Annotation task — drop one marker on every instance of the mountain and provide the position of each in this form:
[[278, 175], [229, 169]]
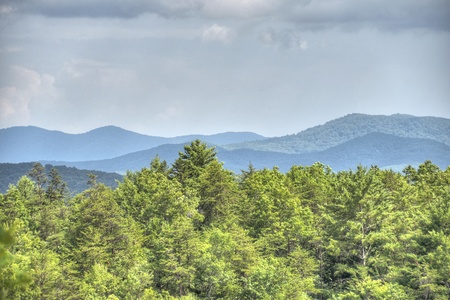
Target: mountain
[[76, 179], [341, 130], [24, 144], [386, 141], [383, 150], [128, 162]]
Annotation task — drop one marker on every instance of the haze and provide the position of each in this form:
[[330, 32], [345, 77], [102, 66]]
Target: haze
[[167, 67]]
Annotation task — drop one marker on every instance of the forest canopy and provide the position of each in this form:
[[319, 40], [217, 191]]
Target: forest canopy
[[194, 230]]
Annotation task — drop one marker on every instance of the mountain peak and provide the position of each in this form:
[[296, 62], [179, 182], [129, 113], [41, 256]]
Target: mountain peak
[[108, 128], [351, 126]]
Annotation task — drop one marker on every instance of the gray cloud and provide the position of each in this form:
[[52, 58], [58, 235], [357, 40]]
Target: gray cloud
[[399, 14], [385, 14], [104, 9], [170, 67], [285, 38]]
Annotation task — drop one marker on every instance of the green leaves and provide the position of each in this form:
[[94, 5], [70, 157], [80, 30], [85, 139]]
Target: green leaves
[[198, 231], [192, 161], [13, 277]]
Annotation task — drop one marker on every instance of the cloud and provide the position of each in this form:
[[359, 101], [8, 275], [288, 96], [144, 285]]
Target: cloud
[[169, 114], [106, 9], [400, 14], [6, 9], [143, 63], [96, 74], [383, 14], [131, 9], [239, 8], [10, 49], [25, 91], [217, 33], [287, 39]]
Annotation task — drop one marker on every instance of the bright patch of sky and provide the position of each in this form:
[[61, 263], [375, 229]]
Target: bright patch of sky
[[174, 67]]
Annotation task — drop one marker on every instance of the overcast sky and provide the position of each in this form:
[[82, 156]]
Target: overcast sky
[[174, 67]]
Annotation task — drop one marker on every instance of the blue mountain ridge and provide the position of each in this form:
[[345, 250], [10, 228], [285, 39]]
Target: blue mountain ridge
[[340, 130], [386, 141], [379, 149], [24, 144]]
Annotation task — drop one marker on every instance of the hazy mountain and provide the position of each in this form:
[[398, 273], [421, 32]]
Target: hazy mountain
[[23, 144], [344, 129], [76, 179], [386, 141], [379, 149], [385, 151], [132, 161]]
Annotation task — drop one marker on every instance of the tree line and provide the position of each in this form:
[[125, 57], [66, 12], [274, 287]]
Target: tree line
[[194, 230]]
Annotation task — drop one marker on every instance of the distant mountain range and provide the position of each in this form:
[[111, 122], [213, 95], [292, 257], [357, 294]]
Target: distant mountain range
[[23, 144], [341, 130], [386, 141], [379, 149]]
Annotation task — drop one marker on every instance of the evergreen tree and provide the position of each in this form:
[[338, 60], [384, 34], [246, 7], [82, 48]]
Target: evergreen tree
[[99, 233], [192, 161], [197, 231]]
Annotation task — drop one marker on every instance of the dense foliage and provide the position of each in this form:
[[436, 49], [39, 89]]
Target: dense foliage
[[195, 230], [73, 177]]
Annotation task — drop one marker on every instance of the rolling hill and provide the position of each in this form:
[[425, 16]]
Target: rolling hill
[[344, 129], [24, 144], [383, 150], [386, 141]]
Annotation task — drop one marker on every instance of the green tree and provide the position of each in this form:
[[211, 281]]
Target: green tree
[[13, 278], [273, 214], [218, 195], [228, 258], [57, 188], [38, 174], [192, 161], [167, 213], [281, 225], [99, 233], [315, 185], [18, 201], [430, 279], [159, 166]]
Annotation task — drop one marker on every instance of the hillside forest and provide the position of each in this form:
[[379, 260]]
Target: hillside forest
[[195, 230]]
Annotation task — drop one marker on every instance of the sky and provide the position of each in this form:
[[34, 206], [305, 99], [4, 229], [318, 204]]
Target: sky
[[176, 67]]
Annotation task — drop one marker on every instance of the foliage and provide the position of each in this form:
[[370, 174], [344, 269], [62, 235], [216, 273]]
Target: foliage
[[74, 178], [195, 230]]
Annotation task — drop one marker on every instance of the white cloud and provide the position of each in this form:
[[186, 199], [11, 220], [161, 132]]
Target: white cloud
[[239, 8], [27, 89], [96, 74], [12, 104], [217, 33]]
